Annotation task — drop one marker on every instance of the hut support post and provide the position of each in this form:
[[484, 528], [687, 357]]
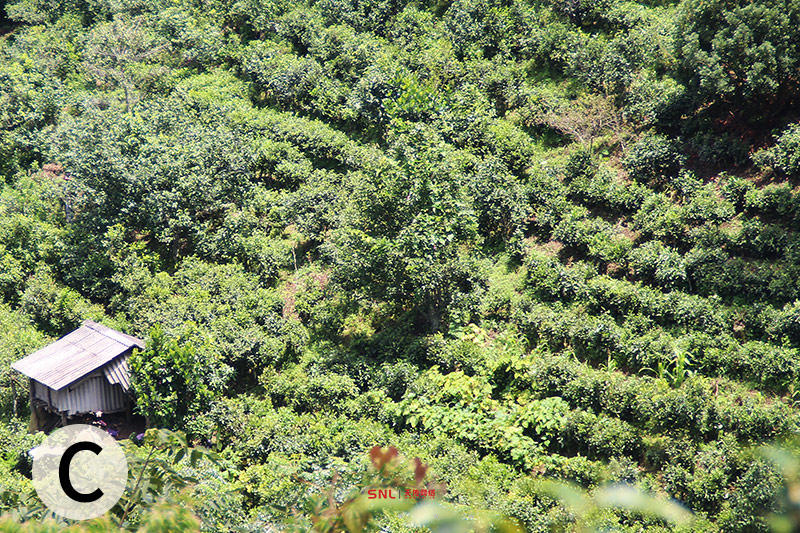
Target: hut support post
[[128, 409], [13, 397], [63, 419]]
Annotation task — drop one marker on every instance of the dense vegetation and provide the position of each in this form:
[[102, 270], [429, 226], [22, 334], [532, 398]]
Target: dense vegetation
[[521, 240]]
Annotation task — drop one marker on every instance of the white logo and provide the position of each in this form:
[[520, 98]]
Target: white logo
[[79, 472]]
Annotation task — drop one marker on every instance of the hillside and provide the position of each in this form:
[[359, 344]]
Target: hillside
[[522, 240]]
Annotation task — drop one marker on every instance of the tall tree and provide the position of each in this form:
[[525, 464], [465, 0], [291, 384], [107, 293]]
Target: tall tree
[[740, 55], [124, 53]]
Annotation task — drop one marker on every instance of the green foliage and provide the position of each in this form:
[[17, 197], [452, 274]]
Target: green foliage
[[20, 338], [56, 309], [738, 55], [653, 159], [122, 54], [661, 264], [243, 320], [371, 16], [151, 502], [174, 380], [587, 507], [783, 156], [305, 389], [519, 240]]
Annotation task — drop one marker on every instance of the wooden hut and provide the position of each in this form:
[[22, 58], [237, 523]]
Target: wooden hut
[[83, 371]]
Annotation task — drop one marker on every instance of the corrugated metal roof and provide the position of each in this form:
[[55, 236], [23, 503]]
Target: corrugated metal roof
[[117, 372], [79, 353]]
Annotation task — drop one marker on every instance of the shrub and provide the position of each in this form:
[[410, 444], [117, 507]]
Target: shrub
[[282, 78], [651, 100], [774, 199], [653, 158], [785, 155], [580, 166], [372, 15], [660, 218], [719, 148], [598, 436], [755, 494], [662, 265], [721, 46], [308, 389], [175, 379], [735, 190]]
